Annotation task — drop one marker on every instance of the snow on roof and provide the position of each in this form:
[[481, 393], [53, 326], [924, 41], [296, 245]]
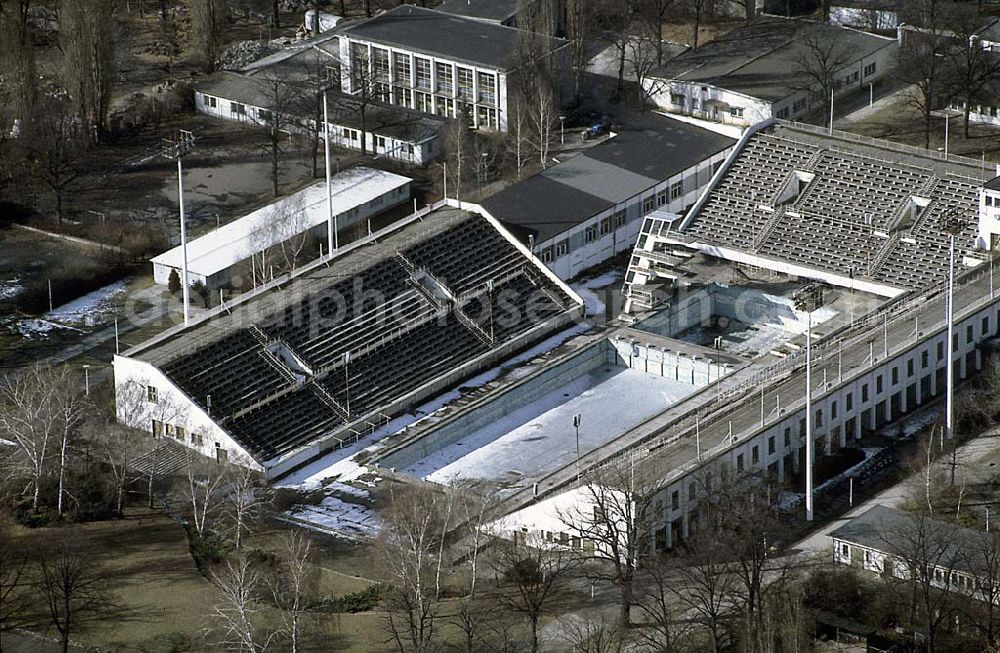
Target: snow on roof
[[226, 246]]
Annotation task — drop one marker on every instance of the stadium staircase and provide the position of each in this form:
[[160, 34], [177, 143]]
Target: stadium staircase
[[166, 458]]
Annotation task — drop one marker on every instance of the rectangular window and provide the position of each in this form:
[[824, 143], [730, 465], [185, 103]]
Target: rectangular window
[[152, 395], [263, 115], [940, 351], [799, 105], [211, 101], [739, 463], [487, 88], [736, 112], [788, 436], [770, 445], [380, 64], [423, 103], [605, 226], [755, 454], [677, 99], [649, 204], [849, 401], [986, 325], [196, 439], [782, 114], [464, 84], [445, 82], [401, 65], [562, 248], [969, 335], [675, 500], [619, 219], [909, 368], [237, 108], [158, 428], [423, 70], [380, 143], [864, 393], [359, 65], [870, 69], [924, 358], [691, 492], [833, 410], [590, 234], [661, 198], [546, 255], [181, 433], [676, 189]]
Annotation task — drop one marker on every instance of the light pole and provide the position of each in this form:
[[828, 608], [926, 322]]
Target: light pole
[[177, 150], [86, 380], [562, 129], [347, 382], [951, 225], [809, 299], [332, 240], [576, 425]]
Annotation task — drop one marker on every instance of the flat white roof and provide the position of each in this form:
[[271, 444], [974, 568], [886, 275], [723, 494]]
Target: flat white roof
[[226, 246]]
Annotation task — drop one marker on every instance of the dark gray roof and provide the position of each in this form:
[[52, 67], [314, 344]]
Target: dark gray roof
[[543, 207], [990, 31], [889, 530], [444, 35], [639, 157], [993, 184], [762, 59], [493, 10], [391, 121]]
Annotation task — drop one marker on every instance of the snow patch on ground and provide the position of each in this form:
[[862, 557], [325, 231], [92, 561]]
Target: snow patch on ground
[[10, 288], [338, 517], [90, 310], [592, 301]]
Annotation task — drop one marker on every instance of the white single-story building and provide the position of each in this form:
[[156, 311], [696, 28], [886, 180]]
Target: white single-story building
[[218, 257], [766, 69], [989, 215]]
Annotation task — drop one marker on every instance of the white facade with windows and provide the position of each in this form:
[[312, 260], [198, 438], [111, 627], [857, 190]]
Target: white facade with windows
[[989, 216], [613, 231], [425, 83]]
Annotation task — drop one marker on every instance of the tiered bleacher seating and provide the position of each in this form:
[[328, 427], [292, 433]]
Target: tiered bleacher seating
[[856, 213], [399, 335], [232, 370]]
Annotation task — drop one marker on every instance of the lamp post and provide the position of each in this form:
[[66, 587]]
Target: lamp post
[[562, 129], [952, 225], [177, 150], [332, 239], [809, 299], [576, 425], [86, 380]]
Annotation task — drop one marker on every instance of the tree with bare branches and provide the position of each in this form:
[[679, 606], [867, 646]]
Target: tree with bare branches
[[982, 558], [409, 547], [54, 143], [243, 502], [614, 513], [294, 584], [237, 613], [530, 575], [922, 63], [73, 590], [90, 38], [207, 22], [820, 70], [40, 410]]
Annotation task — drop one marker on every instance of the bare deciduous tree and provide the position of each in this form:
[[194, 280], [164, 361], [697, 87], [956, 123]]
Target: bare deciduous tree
[[922, 63], [587, 634], [243, 502], [294, 584], [530, 573], [207, 22], [55, 143], [90, 39], [40, 410], [13, 577], [284, 104], [409, 548], [819, 71], [237, 613], [203, 491], [74, 591]]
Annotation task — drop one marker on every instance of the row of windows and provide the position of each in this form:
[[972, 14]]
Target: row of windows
[[992, 201], [590, 234], [449, 79], [179, 433]]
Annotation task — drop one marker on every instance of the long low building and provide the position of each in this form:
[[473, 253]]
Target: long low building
[[223, 254], [581, 212], [770, 68], [315, 359]]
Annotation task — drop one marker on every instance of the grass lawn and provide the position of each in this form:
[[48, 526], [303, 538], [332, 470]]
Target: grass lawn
[[902, 123], [146, 558]]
